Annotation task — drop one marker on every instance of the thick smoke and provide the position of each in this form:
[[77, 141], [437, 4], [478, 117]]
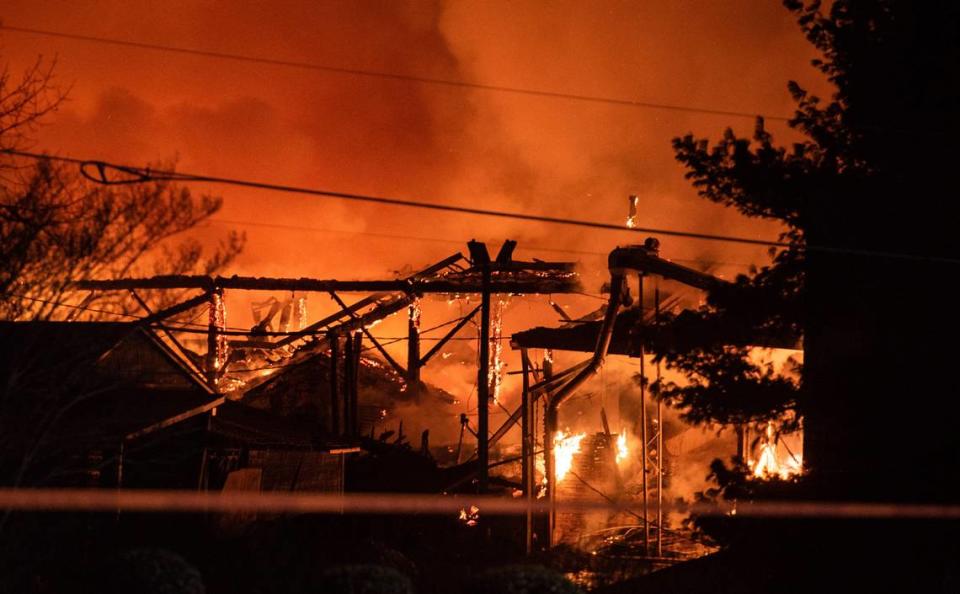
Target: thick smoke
[[437, 143]]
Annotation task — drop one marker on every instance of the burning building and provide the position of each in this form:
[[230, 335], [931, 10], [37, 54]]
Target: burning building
[[651, 442]]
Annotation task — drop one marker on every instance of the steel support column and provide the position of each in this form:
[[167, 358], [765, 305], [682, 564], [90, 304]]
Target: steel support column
[[526, 453], [483, 384]]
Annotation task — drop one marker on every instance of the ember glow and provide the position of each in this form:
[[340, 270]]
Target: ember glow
[[632, 212], [471, 517], [565, 446], [218, 316], [622, 451], [768, 463], [496, 349]]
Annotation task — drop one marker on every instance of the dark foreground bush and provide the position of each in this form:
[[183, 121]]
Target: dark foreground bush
[[521, 579], [364, 579], [148, 571]]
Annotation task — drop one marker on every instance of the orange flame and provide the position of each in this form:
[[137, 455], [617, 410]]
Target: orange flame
[[565, 446], [768, 464], [622, 450]]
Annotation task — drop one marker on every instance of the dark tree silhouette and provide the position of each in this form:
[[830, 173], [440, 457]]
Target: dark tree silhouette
[[867, 198]]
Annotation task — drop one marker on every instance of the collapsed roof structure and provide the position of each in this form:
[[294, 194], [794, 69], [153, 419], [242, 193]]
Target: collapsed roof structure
[[613, 330], [255, 367]]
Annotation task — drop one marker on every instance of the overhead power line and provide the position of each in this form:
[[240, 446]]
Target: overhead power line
[[98, 171], [393, 76]]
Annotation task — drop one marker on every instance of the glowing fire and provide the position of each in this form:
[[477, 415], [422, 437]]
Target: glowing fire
[[470, 518], [632, 215], [496, 351], [768, 463], [622, 450], [565, 445]]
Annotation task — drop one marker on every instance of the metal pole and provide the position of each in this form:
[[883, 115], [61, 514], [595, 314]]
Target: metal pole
[[215, 326], [334, 340], [660, 456], [347, 383], [483, 384], [413, 350], [355, 385], [549, 430], [643, 421], [526, 453]]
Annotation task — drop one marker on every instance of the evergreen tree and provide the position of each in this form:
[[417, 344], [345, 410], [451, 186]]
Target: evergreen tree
[[866, 198]]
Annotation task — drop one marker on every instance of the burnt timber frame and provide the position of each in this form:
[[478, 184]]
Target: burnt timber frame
[[484, 277], [629, 337]]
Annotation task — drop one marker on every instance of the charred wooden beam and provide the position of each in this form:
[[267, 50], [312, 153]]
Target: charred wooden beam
[[334, 339], [348, 384], [173, 420], [183, 357], [361, 324], [446, 338], [648, 262], [534, 391], [483, 384], [538, 285], [526, 448], [201, 299], [413, 350], [182, 281], [355, 383], [215, 343]]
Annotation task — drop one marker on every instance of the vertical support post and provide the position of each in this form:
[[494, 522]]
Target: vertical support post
[[347, 384], [659, 446], [643, 420], [413, 350], [483, 384], [355, 384], [334, 340], [215, 341], [549, 429], [526, 453]]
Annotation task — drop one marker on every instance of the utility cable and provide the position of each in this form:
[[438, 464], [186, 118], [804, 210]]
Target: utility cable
[[99, 171]]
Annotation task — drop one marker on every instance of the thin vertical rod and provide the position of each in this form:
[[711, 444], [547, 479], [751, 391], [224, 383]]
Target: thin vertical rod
[[355, 384], [643, 421], [213, 338], [347, 383], [334, 340], [483, 385], [660, 456], [526, 446], [548, 457], [413, 350]]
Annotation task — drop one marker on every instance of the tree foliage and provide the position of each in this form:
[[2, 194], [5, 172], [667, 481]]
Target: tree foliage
[[58, 228], [859, 197]]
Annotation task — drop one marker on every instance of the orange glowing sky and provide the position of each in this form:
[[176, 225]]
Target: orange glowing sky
[[417, 141], [396, 138]]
